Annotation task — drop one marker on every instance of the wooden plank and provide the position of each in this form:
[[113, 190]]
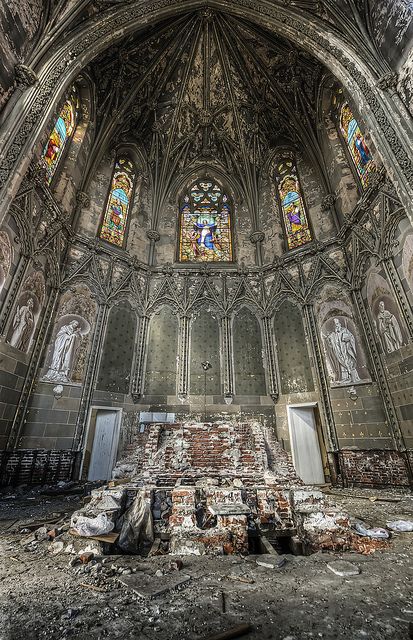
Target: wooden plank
[[107, 537]]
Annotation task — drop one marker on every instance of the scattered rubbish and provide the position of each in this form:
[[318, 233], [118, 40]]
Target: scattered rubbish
[[137, 528], [235, 632], [377, 532], [148, 587], [400, 525], [56, 547], [176, 565], [271, 562], [86, 557], [343, 568], [109, 538], [87, 527]]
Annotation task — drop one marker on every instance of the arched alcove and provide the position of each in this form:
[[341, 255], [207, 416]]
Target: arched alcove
[[162, 350], [293, 359], [118, 349], [205, 348], [248, 355]]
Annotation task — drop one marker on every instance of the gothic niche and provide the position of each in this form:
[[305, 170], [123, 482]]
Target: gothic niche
[[205, 349], [161, 361], [6, 257], [385, 314], [248, 355], [27, 312], [293, 360], [116, 363], [344, 353], [69, 346]]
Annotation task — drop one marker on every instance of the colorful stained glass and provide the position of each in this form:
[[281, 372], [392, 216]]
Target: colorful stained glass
[[117, 209], [63, 129], [359, 151], [294, 214], [205, 225]]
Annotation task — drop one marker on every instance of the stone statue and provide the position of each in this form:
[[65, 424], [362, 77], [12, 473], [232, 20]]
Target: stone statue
[[389, 329], [343, 355], [22, 326], [64, 349]]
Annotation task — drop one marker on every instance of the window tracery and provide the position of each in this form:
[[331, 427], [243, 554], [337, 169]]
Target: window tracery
[[60, 135], [295, 219], [205, 224], [114, 223], [356, 144]]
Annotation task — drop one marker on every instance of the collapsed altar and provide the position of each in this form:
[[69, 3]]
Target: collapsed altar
[[213, 488]]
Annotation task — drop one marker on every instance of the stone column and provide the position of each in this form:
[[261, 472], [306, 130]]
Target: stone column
[[33, 368], [322, 377], [13, 291], [257, 238], [226, 337], [138, 379], [183, 350], [394, 278], [153, 237], [90, 375], [379, 370], [269, 345]]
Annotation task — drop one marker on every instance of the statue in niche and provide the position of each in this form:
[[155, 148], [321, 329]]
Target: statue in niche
[[343, 355], [23, 322], [63, 352], [388, 329]]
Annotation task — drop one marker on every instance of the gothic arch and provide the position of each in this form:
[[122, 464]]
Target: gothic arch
[[360, 79]]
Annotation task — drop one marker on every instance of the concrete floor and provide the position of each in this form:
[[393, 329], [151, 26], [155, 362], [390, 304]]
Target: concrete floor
[[42, 596]]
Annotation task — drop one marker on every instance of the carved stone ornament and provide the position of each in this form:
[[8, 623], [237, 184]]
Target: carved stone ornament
[[257, 236], [328, 201], [153, 235], [25, 76], [388, 81], [83, 199]]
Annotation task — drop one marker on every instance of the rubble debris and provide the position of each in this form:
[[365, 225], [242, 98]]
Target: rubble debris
[[86, 556], [271, 562], [241, 579], [400, 525], [93, 587], [235, 632], [343, 568], [86, 527], [378, 532], [148, 587]]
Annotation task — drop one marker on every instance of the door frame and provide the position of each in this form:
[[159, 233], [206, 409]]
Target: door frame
[[305, 405], [119, 411]]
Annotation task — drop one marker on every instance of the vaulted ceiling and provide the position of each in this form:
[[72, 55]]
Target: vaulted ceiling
[[207, 87]]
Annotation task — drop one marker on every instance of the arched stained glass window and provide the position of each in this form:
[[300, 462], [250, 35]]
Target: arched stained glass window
[[61, 133], [117, 209], [295, 218], [205, 224], [359, 151]]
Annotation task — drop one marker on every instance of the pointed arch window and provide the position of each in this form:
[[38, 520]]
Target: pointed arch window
[[115, 219], [205, 224], [356, 144], [60, 135], [294, 214]]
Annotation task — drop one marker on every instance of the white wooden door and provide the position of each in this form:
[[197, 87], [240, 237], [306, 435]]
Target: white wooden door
[[305, 446], [104, 446]]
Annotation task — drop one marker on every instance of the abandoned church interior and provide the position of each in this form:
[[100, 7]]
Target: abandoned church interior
[[206, 314]]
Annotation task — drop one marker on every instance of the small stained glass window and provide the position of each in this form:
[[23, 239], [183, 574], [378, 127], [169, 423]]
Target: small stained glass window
[[205, 224], [61, 133], [359, 151], [117, 209], [294, 214]]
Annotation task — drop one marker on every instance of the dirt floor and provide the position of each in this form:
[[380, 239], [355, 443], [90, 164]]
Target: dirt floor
[[43, 596]]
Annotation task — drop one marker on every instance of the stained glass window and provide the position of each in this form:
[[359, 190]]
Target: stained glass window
[[62, 131], [117, 209], [359, 151], [293, 210], [205, 218]]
